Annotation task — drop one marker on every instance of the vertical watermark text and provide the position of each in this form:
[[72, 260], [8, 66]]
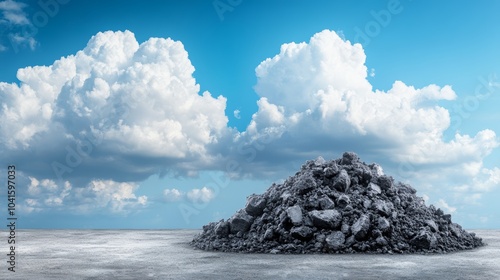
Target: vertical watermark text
[[11, 218]]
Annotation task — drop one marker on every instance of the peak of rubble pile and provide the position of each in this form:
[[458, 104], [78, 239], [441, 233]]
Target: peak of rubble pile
[[337, 206]]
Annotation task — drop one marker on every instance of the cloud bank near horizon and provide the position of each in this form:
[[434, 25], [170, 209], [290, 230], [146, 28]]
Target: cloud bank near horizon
[[92, 125]]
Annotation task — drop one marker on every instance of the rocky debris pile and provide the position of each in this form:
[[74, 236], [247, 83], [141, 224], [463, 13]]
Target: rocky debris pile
[[338, 206]]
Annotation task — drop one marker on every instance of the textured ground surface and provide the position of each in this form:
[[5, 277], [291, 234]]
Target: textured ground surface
[[166, 254]]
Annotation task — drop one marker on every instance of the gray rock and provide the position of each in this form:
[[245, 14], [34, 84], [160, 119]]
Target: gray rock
[[304, 183], [222, 228], [331, 171], [302, 233], [295, 214], [381, 241], [342, 182], [326, 203], [343, 201], [456, 230], [335, 240], [383, 208], [349, 158], [361, 227], [319, 161], [269, 234], [240, 222], [327, 219], [405, 188], [424, 240], [367, 203], [320, 238], [374, 188], [255, 205], [383, 224], [432, 225], [385, 182], [350, 241], [397, 201], [345, 228]]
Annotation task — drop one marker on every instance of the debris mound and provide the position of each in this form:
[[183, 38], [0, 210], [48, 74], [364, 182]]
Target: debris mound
[[337, 206]]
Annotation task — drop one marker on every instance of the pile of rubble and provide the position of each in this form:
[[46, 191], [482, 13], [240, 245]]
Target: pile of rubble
[[338, 206]]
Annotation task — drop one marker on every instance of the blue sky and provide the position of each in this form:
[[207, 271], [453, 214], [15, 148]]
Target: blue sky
[[239, 97]]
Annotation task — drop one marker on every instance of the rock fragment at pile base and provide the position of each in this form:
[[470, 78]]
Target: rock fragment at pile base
[[337, 206]]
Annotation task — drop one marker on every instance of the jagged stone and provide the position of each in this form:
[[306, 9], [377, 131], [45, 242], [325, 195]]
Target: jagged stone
[[383, 224], [222, 228], [304, 183], [432, 225], [240, 222], [295, 214], [456, 230], [335, 240], [349, 158], [374, 188], [269, 234], [302, 233], [326, 203], [327, 219], [361, 227], [381, 241], [341, 205], [255, 205], [342, 182], [424, 240], [343, 201], [383, 208]]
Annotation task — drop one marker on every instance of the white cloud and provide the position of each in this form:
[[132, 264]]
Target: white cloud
[[444, 205], [293, 77], [37, 186], [172, 195], [320, 89], [481, 180], [14, 20], [202, 195], [372, 72], [29, 205], [116, 196], [44, 194], [152, 83], [98, 195], [137, 99], [491, 182], [12, 12], [236, 114], [268, 120]]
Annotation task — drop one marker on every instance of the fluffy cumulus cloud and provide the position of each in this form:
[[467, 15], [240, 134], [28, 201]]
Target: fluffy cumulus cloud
[[116, 98], [322, 86], [236, 114], [202, 195], [172, 195], [47, 195]]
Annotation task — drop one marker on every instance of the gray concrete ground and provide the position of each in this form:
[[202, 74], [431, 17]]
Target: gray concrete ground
[[165, 254]]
